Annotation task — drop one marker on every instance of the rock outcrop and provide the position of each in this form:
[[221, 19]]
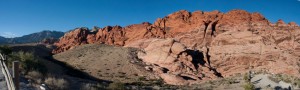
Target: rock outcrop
[[293, 24], [193, 47], [71, 39], [174, 62], [171, 26]]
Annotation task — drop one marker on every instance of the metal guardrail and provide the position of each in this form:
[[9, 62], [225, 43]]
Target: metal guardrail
[[7, 75]]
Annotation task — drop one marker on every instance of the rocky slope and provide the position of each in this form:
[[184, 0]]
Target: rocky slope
[[189, 47], [43, 36]]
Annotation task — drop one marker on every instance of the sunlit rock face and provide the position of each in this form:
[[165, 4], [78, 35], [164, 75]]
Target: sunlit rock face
[[191, 47]]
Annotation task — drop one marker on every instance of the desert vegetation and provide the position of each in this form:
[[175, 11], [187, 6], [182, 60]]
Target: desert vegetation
[[248, 84], [28, 62], [92, 86], [116, 86], [286, 78], [55, 83]]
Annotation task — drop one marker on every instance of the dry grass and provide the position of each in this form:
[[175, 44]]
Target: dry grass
[[57, 83], [116, 86], [91, 86], [35, 75]]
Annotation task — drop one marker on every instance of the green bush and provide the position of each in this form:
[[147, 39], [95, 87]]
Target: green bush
[[249, 86], [28, 62], [246, 77], [116, 86]]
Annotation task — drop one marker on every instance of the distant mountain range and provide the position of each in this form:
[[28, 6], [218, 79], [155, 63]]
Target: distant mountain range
[[32, 38]]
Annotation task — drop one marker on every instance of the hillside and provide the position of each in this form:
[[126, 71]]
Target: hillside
[[193, 47], [2, 40], [105, 62], [32, 38]]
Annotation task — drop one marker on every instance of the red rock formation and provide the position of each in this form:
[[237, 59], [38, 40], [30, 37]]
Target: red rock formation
[[231, 43], [280, 22], [71, 39], [293, 24], [170, 26]]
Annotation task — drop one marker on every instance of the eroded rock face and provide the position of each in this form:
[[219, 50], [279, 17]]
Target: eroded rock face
[[172, 26], [175, 63], [200, 46], [71, 39]]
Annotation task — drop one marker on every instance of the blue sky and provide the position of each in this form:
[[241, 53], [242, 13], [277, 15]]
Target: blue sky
[[21, 17]]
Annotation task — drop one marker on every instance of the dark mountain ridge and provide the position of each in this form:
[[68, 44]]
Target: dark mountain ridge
[[32, 38]]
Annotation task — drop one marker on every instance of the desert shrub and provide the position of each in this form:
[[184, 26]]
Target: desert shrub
[[297, 83], [231, 81], [34, 77], [227, 81], [203, 75], [57, 83], [35, 74], [279, 77], [249, 86], [159, 81], [246, 77], [5, 50], [274, 79], [28, 62], [212, 83], [141, 79], [116, 86], [286, 78], [91, 86]]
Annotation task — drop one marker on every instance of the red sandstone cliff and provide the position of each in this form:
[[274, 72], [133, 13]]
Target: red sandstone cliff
[[229, 43], [171, 26]]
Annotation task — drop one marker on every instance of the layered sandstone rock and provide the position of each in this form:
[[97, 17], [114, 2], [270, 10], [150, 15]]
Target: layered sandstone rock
[[175, 63], [188, 46], [171, 26], [71, 39]]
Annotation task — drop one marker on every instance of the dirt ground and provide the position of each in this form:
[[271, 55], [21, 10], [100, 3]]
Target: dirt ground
[[106, 62]]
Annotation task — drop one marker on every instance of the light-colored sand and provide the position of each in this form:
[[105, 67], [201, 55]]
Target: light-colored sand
[[262, 81]]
